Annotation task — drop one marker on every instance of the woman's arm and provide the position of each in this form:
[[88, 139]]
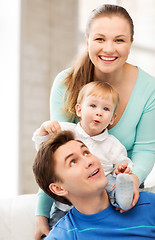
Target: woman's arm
[[57, 98], [143, 155]]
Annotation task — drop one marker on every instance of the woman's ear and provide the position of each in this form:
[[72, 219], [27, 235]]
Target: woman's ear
[[57, 189], [78, 109], [87, 45]]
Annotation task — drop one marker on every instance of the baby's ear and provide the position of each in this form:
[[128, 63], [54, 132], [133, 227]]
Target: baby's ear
[[113, 118], [78, 109], [58, 189]]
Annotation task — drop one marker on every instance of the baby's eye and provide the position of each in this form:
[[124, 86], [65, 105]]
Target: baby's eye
[[93, 105], [106, 109]]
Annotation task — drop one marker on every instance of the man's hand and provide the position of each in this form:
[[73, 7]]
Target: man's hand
[[41, 227]]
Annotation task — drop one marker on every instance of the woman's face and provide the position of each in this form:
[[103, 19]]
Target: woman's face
[[109, 43]]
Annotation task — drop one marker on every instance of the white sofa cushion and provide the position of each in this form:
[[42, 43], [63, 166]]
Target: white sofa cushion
[[17, 217]]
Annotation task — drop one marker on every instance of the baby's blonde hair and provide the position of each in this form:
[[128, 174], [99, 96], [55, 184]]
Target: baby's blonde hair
[[99, 89]]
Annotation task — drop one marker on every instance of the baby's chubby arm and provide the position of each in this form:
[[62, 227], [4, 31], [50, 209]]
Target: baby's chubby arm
[[46, 129], [49, 127]]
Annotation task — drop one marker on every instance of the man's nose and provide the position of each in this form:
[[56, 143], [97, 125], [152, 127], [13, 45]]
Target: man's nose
[[88, 162]]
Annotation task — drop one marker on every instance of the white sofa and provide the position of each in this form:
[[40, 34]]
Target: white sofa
[[17, 217]]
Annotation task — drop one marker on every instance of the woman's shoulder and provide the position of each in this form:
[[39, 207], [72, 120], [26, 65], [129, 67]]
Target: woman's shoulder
[[58, 84], [61, 75], [145, 77]]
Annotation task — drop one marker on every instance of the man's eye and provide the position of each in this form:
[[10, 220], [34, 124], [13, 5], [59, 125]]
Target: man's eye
[[93, 105], [86, 153], [72, 162], [106, 109]]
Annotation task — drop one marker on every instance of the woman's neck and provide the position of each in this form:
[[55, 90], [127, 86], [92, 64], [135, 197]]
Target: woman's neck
[[91, 205], [116, 78]]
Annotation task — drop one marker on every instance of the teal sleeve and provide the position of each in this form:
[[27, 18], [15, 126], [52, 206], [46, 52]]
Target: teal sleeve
[[57, 98], [136, 128], [45, 202], [143, 155]]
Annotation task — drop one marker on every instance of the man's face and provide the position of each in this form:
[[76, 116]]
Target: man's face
[[81, 172]]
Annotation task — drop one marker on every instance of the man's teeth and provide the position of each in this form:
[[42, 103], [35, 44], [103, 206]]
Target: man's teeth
[[94, 173], [108, 58]]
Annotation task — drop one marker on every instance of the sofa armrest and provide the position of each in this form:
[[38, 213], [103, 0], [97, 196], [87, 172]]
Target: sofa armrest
[[17, 217]]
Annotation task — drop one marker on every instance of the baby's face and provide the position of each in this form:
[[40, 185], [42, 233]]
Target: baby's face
[[96, 113]]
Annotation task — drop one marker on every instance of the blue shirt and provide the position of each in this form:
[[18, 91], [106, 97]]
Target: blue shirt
[[109, 224]]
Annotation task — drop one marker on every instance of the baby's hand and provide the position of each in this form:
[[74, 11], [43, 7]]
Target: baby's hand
[[123, 168], [49, 127]]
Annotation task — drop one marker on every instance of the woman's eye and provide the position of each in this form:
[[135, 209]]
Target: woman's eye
[[99, 39], [119, 40]]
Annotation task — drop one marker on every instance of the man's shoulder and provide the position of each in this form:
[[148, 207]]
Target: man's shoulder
[[146, 198], [62, 228]]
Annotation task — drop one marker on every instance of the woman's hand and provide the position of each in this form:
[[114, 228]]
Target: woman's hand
[[49, 127], [136, 190], [41, 227]]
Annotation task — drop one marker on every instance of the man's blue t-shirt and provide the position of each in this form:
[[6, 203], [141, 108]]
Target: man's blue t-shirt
[[109, 224]]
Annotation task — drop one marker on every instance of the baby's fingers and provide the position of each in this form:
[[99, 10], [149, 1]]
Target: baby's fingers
[[55, 127]]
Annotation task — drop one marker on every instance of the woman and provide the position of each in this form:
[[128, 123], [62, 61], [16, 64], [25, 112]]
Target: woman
[[109, 36]]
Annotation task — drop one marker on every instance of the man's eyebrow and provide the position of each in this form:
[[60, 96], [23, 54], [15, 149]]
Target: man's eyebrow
[[68, 156], [82, 144], [71, 154]]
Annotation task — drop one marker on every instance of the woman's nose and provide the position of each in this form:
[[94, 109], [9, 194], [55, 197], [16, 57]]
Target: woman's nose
[[108, 47]]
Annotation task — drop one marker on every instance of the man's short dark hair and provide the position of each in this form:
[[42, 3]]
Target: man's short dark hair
[[44, 163]]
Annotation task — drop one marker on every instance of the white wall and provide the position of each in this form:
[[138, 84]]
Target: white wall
[[9, 87]]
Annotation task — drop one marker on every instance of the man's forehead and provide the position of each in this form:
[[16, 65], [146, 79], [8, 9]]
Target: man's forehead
[[70, 147], [75, 144]]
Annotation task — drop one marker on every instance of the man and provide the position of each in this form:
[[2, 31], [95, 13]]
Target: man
[[66, 170]]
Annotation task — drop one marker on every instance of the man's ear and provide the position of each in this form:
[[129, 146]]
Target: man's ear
[[113, 119], [57, 189], [78, 109]]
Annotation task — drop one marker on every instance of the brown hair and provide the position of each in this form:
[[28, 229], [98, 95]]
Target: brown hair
[[83, 70], [44, 164], [99, 89], [109, 10]]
